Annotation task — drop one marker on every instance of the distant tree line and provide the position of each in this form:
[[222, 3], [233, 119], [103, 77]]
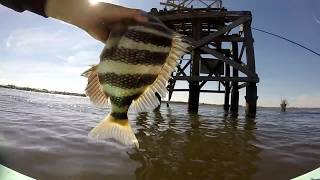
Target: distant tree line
[[41, 90]]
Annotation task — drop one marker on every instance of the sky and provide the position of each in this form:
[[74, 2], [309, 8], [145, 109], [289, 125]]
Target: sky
[[46, 53]]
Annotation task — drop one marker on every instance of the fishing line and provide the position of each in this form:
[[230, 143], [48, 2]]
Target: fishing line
[[316, 19], [286, 39]]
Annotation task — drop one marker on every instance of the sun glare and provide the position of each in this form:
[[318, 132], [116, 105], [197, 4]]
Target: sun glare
[[93, 2]]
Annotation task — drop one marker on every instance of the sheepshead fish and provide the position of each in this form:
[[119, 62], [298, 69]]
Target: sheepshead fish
[[136, 63]]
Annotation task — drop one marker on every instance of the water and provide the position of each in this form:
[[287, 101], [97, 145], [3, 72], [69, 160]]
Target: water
[[45, 137]]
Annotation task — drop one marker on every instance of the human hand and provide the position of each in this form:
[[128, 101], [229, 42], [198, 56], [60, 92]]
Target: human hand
[[97, 19]]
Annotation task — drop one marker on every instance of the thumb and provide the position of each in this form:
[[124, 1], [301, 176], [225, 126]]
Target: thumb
[[135, 14]]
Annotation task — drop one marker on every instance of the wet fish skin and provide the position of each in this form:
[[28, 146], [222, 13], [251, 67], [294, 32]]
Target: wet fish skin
[[135, 64]]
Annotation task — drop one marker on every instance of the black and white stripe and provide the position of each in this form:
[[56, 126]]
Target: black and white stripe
[[148, 38], [134, 56], [127, 81]]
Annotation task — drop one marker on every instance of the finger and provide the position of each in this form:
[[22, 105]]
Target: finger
[[127, 13], [138, 16]]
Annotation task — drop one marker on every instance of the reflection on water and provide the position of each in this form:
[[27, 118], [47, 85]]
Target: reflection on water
[[45, 137], [204, 150]]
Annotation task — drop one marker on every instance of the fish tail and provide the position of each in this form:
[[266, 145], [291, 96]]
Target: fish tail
[[119, 130]]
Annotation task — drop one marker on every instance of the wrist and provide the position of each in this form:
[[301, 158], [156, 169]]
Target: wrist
[[70, 11]]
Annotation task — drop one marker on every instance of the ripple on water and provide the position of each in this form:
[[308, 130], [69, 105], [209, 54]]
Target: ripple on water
[[45, 136]]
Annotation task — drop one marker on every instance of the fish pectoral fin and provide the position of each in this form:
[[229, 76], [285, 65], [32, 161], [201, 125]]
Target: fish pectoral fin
[[94, 89], [119, 130]]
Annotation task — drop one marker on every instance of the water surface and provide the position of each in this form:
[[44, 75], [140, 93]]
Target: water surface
[[45, 136]]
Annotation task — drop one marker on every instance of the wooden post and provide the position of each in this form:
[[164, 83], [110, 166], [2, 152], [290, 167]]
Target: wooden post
[[207, 29], [194, 87], [251, 90], [227, 90], [235, 85]]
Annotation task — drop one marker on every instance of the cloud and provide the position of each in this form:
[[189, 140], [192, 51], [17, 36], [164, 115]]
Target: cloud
[[302, 100], [82, 58], [46, 58], [33, 41], [43, 74], [306, 100]]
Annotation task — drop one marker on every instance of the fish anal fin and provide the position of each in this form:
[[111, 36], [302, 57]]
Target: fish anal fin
[[94, 90]]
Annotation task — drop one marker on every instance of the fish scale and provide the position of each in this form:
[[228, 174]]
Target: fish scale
[[133, 56], [127, 81], [135, 65]]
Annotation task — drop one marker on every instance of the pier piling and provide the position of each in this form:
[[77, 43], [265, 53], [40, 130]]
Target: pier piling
[[212, 30]]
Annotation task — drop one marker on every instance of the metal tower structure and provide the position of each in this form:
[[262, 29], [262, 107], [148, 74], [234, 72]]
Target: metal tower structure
[[222, 51], [185, 4]]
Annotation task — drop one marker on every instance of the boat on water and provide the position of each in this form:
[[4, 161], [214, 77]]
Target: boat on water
[[283, 105]]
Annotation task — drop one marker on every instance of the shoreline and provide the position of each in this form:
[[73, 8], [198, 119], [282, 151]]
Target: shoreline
[[41, 90], [28, 89]]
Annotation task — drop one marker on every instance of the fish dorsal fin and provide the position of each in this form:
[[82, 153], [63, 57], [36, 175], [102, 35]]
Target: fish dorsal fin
[[148, 99], [93, 89]]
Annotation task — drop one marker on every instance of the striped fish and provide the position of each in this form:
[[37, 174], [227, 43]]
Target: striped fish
[[136, 63]]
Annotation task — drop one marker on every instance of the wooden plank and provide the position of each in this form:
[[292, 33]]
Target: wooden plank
[[194, 93], [229, 61], [201, 13], [227, 88], [249, 47], [251, 90], [221, 31], [180, 89], [212, 91], [242, 50], [243, 85], [205, 91], [213, 78], [184, 67], [227, 38], [181, 71], [234, 108], [222, 38]]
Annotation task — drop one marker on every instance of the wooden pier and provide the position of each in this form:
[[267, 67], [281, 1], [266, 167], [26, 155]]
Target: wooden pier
[[222, 51]]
